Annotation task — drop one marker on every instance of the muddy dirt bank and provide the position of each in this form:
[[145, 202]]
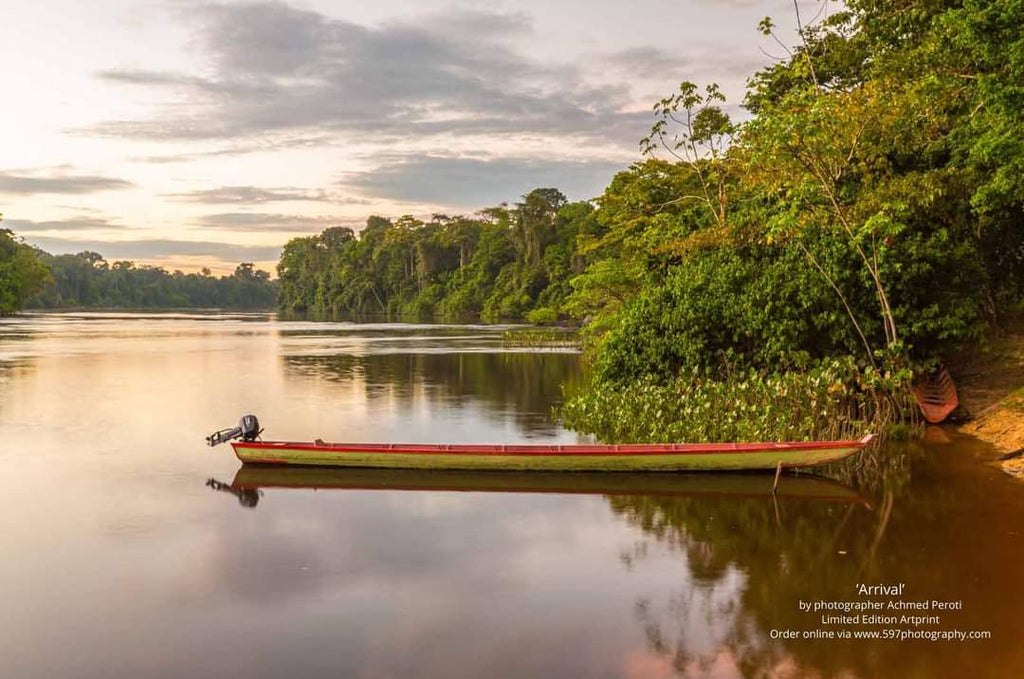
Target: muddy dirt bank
[[990, 383]]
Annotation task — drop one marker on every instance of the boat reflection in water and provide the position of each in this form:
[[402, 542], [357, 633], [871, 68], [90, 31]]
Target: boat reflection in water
[[250, 480], [247, 497]]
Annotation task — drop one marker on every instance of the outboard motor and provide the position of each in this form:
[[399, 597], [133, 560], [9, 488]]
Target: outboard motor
[[248, 429]]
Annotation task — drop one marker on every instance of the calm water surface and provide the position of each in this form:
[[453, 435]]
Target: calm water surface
[[119, 559]]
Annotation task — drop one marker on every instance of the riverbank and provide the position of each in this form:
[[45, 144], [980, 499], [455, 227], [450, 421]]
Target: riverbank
[[990, 383]]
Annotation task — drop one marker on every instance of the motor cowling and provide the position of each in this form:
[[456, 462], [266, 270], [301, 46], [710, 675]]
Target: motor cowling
[[248, 429]]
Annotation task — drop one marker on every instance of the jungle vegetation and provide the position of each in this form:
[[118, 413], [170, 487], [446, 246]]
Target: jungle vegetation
[[869, 210], [865, 220], [35, 279], [21, 273], [87, 280], [502, 263]]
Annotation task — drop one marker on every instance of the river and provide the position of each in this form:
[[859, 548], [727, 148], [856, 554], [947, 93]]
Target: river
[[132, 549]]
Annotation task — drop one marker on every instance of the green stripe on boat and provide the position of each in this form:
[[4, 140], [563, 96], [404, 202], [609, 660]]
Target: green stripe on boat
[[653, 457]]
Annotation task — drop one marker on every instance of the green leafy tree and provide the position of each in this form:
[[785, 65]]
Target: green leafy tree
[[22, 274]]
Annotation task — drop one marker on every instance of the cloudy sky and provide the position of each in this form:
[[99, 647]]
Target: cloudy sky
[[193, 134]]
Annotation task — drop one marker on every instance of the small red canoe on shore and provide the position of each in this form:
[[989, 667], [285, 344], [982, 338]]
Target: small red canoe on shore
[[577, 457], [936, 396]]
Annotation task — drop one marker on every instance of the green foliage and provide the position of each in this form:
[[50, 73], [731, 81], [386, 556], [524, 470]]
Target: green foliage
[[836, 399], [87, 280], [22, 274], [502, 263], [865, 211], [872, 207], [985, 41], [542, 316], [754, 306], [540, 337]]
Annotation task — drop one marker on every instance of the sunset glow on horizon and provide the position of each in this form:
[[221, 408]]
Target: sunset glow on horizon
[[192, 134]]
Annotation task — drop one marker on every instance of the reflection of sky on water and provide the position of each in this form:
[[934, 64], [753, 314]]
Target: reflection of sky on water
[[82, 333], [120, 562]]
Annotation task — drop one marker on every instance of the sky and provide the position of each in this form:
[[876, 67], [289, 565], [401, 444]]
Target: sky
[[193, 134]]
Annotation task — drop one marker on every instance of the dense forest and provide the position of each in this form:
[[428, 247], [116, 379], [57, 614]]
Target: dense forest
[[864, 221], [87, 280], [31, 278], [505, 262], [21, 273]]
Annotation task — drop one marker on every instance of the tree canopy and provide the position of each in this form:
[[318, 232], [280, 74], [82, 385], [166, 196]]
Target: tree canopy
[[871, 205], [87, 280], [21, 273], [503, 262]]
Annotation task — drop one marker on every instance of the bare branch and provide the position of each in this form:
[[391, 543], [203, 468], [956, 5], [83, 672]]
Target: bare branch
[[803, 39], [849, 311], [770, 56]]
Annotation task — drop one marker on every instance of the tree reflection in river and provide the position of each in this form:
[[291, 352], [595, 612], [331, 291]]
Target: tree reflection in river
[[747, 569], [524, 386]]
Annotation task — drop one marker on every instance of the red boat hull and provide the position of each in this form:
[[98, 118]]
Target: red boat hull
[[936, 396]]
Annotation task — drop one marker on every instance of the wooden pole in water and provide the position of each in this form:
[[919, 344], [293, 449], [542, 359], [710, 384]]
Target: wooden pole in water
[[778, 472]]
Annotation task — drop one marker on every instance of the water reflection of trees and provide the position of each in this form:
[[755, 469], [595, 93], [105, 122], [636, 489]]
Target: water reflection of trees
[[524, 386], [11, 370], [748, 568]]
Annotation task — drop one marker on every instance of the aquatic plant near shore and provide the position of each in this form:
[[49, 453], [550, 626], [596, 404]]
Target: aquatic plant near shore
[[541, 337], [834, 399]]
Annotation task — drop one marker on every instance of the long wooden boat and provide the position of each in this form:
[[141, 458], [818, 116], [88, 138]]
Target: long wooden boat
[[254, 478], [577, 457]]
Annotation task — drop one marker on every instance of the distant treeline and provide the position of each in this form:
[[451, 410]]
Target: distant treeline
[[504, 262], [87, 280]]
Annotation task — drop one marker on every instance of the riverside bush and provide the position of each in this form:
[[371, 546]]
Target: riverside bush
[[835, 399], [542, 316]]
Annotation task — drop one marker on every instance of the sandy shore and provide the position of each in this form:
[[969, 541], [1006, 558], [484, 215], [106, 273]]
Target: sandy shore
[[990, 383]]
